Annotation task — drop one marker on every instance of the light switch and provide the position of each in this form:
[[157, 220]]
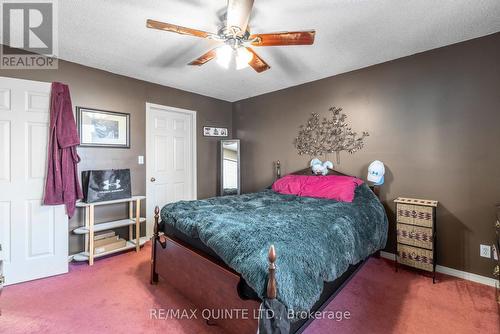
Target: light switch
[[140, 160]]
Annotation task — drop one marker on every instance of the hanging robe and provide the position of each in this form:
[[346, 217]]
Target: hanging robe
[[62, 185]]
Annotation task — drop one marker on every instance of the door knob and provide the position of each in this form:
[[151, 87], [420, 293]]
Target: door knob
[[153, 179]]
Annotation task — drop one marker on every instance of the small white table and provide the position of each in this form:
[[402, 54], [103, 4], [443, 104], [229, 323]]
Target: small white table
[[90, 227]]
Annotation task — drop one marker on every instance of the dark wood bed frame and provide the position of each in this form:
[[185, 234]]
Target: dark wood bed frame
[[212, 285]]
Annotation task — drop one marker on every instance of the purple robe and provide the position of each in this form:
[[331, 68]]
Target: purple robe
[[62, 185]]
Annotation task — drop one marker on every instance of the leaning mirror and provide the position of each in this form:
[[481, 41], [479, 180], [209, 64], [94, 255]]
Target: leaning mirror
[[230, 167]]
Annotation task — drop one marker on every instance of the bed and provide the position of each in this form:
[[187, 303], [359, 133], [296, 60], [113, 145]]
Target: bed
[[218, 253]]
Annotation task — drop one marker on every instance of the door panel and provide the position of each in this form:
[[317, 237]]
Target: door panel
[[160, 123], [161, 193], [5, 99], [160, 146], [5, 228], [179, 191], [37, 101], [37, 149], [171, 156], [40, 228], [34, 237], [179, 150], [179, 125], [4, 151]]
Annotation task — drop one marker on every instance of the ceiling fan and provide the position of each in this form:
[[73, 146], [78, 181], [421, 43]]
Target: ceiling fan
[[237, 39]]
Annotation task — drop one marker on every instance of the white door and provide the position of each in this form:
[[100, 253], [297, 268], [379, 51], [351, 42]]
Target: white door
[[34, 237], [170, 157]]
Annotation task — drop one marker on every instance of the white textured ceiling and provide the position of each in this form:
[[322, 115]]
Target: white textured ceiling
[[350, 34]]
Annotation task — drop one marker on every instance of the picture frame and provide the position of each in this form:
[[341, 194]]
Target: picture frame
[[210, 131], [103, 128]]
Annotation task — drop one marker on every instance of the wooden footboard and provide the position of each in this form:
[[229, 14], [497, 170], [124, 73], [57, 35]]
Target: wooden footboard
[[206, 283]]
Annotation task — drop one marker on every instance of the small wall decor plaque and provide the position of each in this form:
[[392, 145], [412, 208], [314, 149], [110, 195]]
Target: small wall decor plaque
[[209, 131]]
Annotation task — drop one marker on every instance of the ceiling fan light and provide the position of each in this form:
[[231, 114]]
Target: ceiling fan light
[[243, 58], [224, 55]]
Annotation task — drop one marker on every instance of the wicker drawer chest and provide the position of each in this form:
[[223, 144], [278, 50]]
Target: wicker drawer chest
[[416, 233]]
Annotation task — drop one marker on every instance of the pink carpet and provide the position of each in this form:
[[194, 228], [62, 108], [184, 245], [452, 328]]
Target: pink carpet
[[114, 296]]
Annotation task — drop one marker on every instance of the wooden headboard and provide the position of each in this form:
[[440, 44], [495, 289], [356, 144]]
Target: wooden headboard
[[308, 171]]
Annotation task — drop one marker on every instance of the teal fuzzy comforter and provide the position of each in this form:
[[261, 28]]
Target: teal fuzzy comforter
[[315, 239]]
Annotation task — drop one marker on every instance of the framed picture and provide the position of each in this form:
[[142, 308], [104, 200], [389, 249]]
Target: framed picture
[[101, 128], [210, 131]]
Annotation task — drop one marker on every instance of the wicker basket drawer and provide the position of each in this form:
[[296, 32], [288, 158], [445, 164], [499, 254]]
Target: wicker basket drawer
[[403, 213], [415, 214], [415, 235], [415, 257]]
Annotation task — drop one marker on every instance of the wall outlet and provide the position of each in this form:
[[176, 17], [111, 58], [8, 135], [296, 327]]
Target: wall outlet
[[485, 251], [140, 160]]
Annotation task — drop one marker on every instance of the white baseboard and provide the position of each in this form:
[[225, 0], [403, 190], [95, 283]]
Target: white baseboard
[[388, 255], [453, 272]]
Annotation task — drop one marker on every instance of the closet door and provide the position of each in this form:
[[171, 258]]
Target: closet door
[[171, 157], [34, 237]]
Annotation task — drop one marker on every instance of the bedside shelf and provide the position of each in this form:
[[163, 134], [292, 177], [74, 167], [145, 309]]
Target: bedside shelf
[[133, 222], [84, 256], [81, 204], [108, 225]]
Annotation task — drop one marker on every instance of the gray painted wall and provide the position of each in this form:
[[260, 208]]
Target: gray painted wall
[[434, 120]]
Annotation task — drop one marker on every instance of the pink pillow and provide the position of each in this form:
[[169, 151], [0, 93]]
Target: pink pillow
[[336, 187], [289, 184]]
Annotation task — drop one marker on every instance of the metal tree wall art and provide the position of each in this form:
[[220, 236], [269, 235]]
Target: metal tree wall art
[[322, 136]]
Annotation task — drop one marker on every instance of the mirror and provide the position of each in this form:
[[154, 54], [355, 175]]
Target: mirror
[[230, 167]]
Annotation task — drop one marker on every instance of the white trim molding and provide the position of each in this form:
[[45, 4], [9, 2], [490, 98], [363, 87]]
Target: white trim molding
[[453, 272]]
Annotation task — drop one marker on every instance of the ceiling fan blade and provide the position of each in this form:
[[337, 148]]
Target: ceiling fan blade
[[257, 63], [238, 14], [177, 29], [204, 58], [284, 38]]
